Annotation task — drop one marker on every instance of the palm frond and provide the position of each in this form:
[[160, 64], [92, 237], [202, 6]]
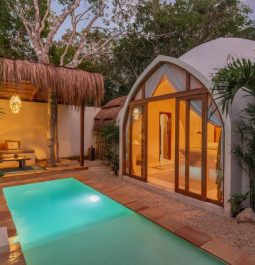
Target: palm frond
[[239, 74]]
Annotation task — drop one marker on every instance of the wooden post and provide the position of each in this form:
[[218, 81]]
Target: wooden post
[[82, 135], [52, 103]]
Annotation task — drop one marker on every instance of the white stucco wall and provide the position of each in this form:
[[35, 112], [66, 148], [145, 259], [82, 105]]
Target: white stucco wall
[[202, 62], [209, 57], [30, 126]]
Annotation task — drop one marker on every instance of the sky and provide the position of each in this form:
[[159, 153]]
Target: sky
[[57, 8], [251, 3]]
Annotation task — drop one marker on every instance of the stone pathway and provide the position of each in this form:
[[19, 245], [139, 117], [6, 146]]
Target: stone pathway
[[218, 235]]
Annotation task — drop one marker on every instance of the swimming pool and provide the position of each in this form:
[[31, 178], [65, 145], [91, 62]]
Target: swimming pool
[[65, 222]]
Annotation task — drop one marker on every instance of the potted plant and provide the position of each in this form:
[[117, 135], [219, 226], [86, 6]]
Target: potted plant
[[236, 203], [110, 134]]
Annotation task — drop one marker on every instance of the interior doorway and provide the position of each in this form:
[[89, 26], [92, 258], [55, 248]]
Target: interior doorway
[[160, 144], [165, 134]]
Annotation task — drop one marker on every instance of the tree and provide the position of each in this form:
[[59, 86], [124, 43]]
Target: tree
[[42, 25], [172, 29], [239, 75], [14, 42]]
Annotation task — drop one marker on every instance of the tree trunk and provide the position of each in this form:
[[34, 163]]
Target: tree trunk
[[56, 143], [82, 110], [51, 131]]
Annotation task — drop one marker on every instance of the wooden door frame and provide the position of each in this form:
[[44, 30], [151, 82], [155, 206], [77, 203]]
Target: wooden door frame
[[188, 94], [186, 191], [169, 114], [143, 176]]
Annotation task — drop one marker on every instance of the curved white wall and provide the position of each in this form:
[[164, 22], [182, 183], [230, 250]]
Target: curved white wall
[[202, 62], [158, 65]]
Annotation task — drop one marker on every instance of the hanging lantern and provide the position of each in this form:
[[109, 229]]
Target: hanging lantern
[[136, 114], [15, 104]]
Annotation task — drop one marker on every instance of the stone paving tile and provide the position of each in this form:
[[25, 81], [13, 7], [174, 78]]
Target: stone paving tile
[[3, 207], [13, 258], [15, 247], [7, 222], [123, 199], [246, 260], [12, 232], [106, 189], [136, 206], [169, 223], [5, 215], [194, 236], [152, 213], [108, 185], [126, 200], [11, 229], [225, 252], [115, 194]]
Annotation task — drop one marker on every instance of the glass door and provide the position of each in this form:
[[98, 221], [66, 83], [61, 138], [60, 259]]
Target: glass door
[[137, 142], [190, 165]]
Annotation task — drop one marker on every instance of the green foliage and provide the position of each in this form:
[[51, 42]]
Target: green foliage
[[236, 203], [246, 149], [14, 42], [239, 75], [110, 134], [159, 27], [172, 29]]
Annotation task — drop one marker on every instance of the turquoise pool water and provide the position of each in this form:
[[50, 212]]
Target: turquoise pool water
[[64, 222]]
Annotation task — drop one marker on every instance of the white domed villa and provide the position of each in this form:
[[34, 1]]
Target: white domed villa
[[174, 135]]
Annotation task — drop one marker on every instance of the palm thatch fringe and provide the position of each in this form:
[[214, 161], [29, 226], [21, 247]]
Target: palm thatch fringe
[[73, 86]]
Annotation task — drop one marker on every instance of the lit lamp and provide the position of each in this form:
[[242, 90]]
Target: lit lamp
[[136, 114], [15, 104]]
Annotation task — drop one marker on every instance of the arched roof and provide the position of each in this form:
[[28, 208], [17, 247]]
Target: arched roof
[[201, 61], [108, 115], [210, 56]]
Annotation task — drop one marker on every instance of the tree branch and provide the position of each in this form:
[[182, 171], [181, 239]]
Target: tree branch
[[98, 50], [74, 22], [75, 61], [47, 12], [57, 25], [37, 15]]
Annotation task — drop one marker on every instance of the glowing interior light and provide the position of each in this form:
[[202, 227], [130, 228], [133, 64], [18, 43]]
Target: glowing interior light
[[94, 198], [136, 114], [15, 104]]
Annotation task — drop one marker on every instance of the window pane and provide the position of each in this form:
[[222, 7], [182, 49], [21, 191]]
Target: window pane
[[137, 141], [166, 80], [182, 143], [139, 94], [195, 146], [127, 146], [164, 88], [214, 154], [194, 83], [161, 143]]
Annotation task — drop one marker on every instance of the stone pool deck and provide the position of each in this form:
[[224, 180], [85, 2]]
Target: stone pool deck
[[221, 236]]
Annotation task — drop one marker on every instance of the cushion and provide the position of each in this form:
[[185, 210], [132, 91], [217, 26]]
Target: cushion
[[3, 146], [12, 145]]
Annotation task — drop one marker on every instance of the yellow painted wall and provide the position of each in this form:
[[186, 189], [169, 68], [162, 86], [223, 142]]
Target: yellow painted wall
[[30, 125]]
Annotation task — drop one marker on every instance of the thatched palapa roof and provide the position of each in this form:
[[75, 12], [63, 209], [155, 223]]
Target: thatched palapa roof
[[109, 113], [32, 81]]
